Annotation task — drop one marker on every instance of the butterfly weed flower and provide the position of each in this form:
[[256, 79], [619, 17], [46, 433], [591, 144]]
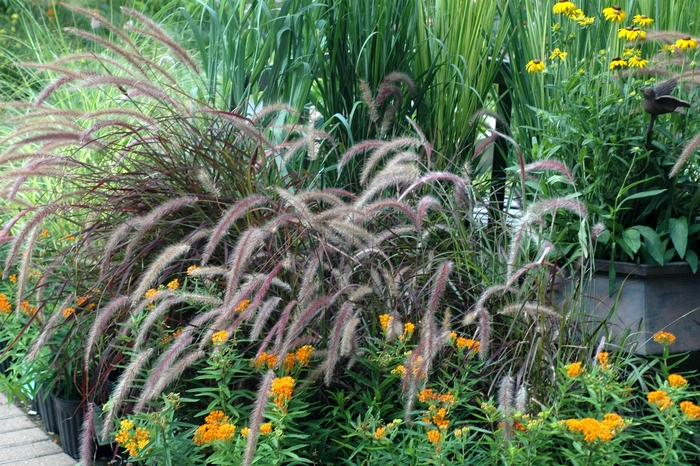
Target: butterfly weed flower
[[686, 43], [563, 7], [216, 427], [384, 321], [434, 436], [173, 285], [642, 20], [379, 433], [282, 388], [664, 338], [303, 354], [690, 410], [243, 306], [677, 381], [660, 399], [266, 428], [534, 66], [614, 13], [574, 369], [219, 338]]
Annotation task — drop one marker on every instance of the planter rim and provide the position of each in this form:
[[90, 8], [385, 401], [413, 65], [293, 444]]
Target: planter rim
[[671, 269]]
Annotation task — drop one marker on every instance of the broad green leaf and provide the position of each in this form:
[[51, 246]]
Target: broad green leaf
[[692, 259], [652, 243], [630, 241], [679, 234]]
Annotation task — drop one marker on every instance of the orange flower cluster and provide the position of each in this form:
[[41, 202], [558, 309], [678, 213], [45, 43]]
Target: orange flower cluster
[[243, 306], [282, 388], [266, 359], [384, 321], [677, 381], [690, 410], [30, 310], [191, 269], [216, 427], [603, 358], [379, 433], [301, 356], [173, 285], [5, 306], [244, 432], [665, 338], [399, 370], [574, 369], [67, 312], [593, 430], [468, 343], [408, 329], [434, 436], [132, 439], [660, 399], [266, 428], [13, 278], [219, 338]]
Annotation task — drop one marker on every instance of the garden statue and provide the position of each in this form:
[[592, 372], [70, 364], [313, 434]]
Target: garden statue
[[658, 101]]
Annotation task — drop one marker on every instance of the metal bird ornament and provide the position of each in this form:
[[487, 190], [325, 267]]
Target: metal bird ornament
[[658, 101]]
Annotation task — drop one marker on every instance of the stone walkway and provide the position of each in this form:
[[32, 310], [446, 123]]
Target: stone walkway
[[23, 444]]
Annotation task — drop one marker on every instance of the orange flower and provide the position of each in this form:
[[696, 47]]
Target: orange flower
[[13, 278], [379, 433], [67, 312], [384, 321], [303, 354], [288, 362], [244, 304], [676, 381], [173, 285], [266, 428], [665, 338], [603, 359], [690, 410], [433, 436], [399, 370], [244, 432], [215, 427], [219, 338], [660, 399], [281, 390], [266, 359], [574, 369], [191, 269]]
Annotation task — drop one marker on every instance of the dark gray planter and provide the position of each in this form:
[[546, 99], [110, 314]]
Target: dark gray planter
[[650, 298], [69, 415]]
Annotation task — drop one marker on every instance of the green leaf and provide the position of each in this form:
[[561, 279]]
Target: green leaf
[[654, 192], [630, 241], [652, 243], [679, 234], [692, 259]]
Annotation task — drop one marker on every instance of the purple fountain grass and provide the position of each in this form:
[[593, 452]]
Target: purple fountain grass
[[49, 90], [172, 374], [359, 148], [48, 329], [144, 89], [24, 268], [87, 434], [554, 165], [382, 150], [256, 416], [505, 405], [394, 175], [460, 183], [170, 254], [521, 399], [249, 241], [530, 308], [102, 320], [343, 316], [234, 213], [123, 388], [267, 308], [690, 147], [367, 97], [348, 341], [426, 203], [302, 319], [599, 349], [156, 32]]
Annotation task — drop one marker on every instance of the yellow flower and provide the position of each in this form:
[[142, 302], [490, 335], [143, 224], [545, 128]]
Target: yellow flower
[[13, 278], [244, 304], [617, 62], [592, 429], [379, 433], [427, 395], [642, 20], [668, 49], [151, 293], [631, 33], [5, 306], [384, 321], [219, 338], [266, 428], [690, 410], [244, 432], [408, 329], [603, 360], [67, 312], [433, 436], [458, 432], [461, 342], [676, 381], [534, 66], [45, 233], [133, 441], [282, 388], [191, 269], [686, 43], [556, 53], [660, 399], [664, 338], [614, 13], [584, 20], [288, 362], [563, 7], [173, 285], [303, 354], [399, 370], [574, 369]]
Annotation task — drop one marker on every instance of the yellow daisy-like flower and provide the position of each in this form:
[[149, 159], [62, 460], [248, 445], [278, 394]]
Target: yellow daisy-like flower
[[563, 7], [534, 66], [556, 53], [660, 399], [676, 381], [631, 33], [631, 53], [642, 20], [664, 338], [574, 369], [690, 410], [637, 62], [219, 338], [686, 43], [614, 13], [617, 62]]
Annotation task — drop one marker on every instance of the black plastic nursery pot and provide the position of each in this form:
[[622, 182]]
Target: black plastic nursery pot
[[47, 410], [69, 416]]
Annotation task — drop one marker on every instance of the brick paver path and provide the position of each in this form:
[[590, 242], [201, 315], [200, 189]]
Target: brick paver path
[[24, 444]]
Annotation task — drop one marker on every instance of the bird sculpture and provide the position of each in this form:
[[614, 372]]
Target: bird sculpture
[[658, 101]]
